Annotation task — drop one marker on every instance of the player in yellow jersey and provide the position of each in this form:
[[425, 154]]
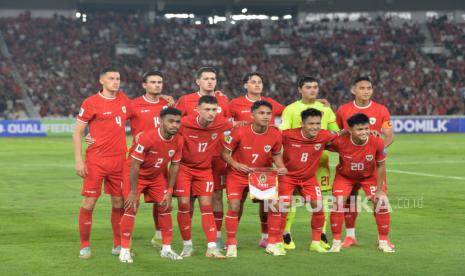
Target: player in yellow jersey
[[308, 87]]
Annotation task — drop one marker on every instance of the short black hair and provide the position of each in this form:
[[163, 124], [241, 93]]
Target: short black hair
[[249, 75], [106, 70], [362, 78], [310, 112], [152, 72], [358, 119], [257, 104], [170, 111], [207, 99], [304, 79], [203, 70]]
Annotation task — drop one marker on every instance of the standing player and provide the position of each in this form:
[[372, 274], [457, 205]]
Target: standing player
[[201, 134], [309, 88], [303, 148], [255, 145], [144, 172], [206, 80], [361, 162], [105, 114], [240, 109], [380, 124]]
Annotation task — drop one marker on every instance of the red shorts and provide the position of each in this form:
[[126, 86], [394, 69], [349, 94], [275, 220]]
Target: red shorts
[[342, 186], [153, 189], [193, 182], [357, 187], [309, 189], [236, 185], [218, 170], [106, 170]]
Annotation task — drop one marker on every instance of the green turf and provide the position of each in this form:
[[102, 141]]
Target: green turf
[[39, 195]]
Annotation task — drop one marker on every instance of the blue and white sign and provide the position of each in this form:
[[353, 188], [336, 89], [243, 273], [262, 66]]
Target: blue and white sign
[[428, 124], [16, 128]]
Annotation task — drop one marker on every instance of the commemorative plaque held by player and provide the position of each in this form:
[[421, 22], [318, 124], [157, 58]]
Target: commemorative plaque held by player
[[263, 184]]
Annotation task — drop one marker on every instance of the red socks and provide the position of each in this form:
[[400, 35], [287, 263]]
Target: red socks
[[274, 227], [184, 221], [208, 223], [231, 222], [85, 225], [218, 220], [337, 219], [166, 225], [383, 219], [350, 216], [127, 226], [116, 215], [318, 220]]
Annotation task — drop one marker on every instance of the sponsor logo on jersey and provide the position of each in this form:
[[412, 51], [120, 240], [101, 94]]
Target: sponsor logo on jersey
[[369, 157], [247, 148], [214, 136], [193, 136], [245, 111], [171, 153], [145, 110], [107, 113], [153, 152], [124, 109], [347, 156], [267, 148], [139, 148], [372, 120], [81, 111], [317, 146], [296, 145]]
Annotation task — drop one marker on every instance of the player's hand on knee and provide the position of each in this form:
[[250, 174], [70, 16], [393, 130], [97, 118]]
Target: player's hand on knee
[[131, 202], [379, 195]]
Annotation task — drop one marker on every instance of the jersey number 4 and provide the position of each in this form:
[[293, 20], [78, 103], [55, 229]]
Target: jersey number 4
[[118, 121]]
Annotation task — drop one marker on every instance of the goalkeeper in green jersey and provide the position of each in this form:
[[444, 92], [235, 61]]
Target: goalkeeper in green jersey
[[308, 88]]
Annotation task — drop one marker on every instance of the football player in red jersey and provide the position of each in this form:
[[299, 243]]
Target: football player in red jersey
[[206, 80], [250, 146], [201, 133], [240, 109], [145, 172], [303, 148], [380, 124], [361, 162], [105, 113]]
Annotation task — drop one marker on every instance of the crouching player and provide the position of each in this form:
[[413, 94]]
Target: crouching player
[[361, 161], [144, 173], [303, 148]]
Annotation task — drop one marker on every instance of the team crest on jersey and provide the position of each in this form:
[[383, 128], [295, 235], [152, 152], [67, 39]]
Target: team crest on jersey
[[372, 120], [369, 157], [139, 148], [214, 136], [317, 146], [81, 111], [171, 153], [124, 109], [267, 148], [229, 139]]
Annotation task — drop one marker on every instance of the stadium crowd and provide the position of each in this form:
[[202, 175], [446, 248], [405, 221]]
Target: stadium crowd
[[59, 58]]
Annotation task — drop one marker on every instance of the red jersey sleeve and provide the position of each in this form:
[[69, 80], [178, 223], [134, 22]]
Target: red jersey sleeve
[[339, 118], [86, 112], [277, 107], [178, 154], [232, 140], [142, 147], [279, 142], [386, 118], [381, 153], [180, 104], [334, 145]]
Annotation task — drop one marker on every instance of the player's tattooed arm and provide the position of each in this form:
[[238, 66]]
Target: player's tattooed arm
[[131, 201], [226, 155], [278, 161], [80, 166], [168, 98]]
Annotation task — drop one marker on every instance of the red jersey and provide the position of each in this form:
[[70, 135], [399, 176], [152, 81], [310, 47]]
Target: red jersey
[[155, 153], [145, 114], [240, 108], [188, 104], [378, 114], [302, 155], [358, 161], [200, 143], [106, 118], [252, 149]]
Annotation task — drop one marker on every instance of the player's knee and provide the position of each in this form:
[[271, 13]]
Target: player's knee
[[234, 205], [89, 202], [184, 200], [117, 202]]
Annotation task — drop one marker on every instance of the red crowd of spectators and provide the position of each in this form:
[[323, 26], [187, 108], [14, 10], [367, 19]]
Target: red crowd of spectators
[[59, 59]]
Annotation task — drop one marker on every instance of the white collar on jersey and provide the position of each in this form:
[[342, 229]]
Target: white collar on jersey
[[366, 142], [149, 101], [363, 107], [107, 98], [161, 136]]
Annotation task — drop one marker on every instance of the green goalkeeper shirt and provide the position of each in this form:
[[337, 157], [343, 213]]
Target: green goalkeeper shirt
[[291, 115]]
